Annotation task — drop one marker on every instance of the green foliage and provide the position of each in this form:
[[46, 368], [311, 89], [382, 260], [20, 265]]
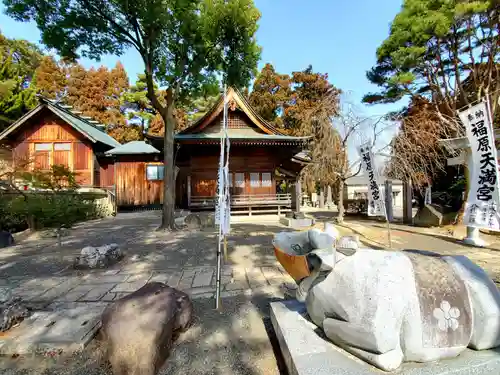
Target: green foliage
[[54, 203], [18, 61], [59, 177], [433, 47], [183, 45], [271, 92]]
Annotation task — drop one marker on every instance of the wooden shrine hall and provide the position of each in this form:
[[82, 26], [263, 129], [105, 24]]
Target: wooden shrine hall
[[260, 157]]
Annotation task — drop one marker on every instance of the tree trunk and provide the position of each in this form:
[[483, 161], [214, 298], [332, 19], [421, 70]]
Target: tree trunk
[[168, 217], [340, 203]]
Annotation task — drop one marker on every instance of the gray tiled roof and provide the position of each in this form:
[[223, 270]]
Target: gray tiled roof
[[84, 126], [133, 147], [80, 124]]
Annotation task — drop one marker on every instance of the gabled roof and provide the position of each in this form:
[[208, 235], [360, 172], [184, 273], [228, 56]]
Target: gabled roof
[[133, 148], [231, 95], [80, 124]]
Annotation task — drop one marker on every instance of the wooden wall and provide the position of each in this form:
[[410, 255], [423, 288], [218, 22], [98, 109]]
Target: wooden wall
[[51, 129], [243, 162], [132, 187], [106, 172]]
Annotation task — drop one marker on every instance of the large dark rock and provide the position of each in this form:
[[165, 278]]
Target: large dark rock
[[433, 216], [138, 330], [6, 239]]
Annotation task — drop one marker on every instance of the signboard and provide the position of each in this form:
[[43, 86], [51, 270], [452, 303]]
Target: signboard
[[481, 208], [428, 195], [376, 206]]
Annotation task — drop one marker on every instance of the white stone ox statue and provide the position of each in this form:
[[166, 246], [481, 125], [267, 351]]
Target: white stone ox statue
[[389, 307]]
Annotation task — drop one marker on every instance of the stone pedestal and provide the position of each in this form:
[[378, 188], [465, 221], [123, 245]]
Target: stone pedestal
[[297, 220], [306, 352], [67, 330], [472, 238]]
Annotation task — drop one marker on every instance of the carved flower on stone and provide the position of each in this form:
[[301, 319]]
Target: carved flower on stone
[[447, 316]]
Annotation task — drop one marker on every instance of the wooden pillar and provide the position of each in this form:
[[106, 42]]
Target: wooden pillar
[[189, 191], [407, 202], [296, 192]]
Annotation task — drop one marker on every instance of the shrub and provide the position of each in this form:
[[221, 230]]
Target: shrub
[[54, 203]]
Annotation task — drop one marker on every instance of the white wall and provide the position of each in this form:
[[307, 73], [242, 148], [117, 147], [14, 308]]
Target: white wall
[[358, 191]]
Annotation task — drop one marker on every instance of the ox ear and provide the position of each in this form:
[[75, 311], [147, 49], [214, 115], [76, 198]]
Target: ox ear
[[314, 262]]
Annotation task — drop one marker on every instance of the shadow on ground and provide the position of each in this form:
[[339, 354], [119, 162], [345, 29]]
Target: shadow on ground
[[144, 247], [237, 340]]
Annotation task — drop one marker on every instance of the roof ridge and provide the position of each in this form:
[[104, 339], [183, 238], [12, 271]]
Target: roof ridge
[[86, 119]]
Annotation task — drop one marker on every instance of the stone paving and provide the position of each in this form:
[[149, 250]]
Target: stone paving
[[39, 271]]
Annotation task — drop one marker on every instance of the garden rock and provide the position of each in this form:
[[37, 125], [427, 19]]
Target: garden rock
[[98, 257], [193, 222], [12, 310], [139, 329], [6, 239], [53, 233]]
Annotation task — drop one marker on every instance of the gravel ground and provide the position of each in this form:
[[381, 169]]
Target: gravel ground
[[235, 341]]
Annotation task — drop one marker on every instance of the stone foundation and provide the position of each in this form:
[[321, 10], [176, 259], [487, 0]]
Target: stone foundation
[[306, 352]]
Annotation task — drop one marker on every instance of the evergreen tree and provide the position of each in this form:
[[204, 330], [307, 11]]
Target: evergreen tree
[[18, 62], [51, 79], [270, 95]]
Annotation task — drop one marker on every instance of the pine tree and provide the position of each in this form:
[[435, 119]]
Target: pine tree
[[18, 62]]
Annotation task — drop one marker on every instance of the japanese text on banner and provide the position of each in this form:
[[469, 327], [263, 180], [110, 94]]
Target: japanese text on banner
[[481, 208], [376, 206]]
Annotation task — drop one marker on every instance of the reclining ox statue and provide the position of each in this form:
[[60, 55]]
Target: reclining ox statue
[[389, 307]]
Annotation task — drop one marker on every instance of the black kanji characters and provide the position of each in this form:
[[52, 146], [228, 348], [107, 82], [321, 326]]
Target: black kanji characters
[[488, 176], [478, 129], [483, 144], [484, 193], [487, 160]]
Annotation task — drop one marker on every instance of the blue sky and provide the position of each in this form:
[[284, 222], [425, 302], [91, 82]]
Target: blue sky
[[337, 37]]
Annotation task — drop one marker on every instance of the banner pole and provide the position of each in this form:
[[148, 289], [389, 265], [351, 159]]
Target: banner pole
[[389, 239], [218, 302]]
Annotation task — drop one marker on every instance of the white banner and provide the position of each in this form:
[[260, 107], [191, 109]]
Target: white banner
[[376, 205], [428, 195], [223, 205], [481, 208]]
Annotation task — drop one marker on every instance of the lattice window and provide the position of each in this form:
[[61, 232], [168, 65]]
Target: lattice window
[[267, 179], [236, 121], [255, 179], [239, 180], [154, 172]]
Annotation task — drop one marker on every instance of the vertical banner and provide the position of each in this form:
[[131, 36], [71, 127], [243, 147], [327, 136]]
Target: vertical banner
[[376, 206], [481, 208], [222, 208], [428, 195]]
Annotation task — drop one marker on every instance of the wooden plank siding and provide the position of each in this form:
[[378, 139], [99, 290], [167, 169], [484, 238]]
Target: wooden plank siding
[[244, 162], [132, 186], [106, 173], [52, 130]]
